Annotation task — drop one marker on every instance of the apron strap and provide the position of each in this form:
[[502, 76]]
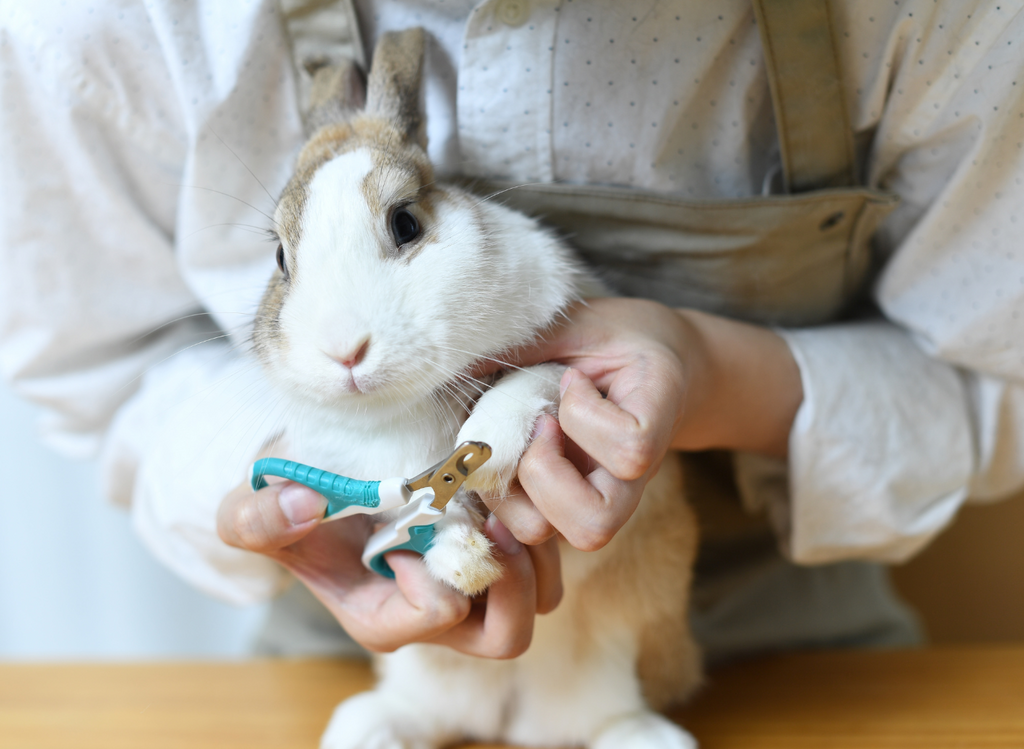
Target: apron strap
[[815, 137]]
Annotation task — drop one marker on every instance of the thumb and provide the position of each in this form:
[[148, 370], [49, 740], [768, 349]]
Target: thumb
[[271, 518]]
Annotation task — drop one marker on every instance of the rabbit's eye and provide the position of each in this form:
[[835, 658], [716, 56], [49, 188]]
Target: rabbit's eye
[[404, 226], [280, 260]]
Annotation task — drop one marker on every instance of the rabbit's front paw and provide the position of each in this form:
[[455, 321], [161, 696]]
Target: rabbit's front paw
[[507, 443], [504, 418], [462, 557]]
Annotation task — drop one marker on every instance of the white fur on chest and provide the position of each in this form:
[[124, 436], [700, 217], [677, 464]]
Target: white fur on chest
[[367, 447]]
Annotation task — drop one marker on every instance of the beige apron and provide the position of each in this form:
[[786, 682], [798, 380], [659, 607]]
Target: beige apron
[[796, 259]]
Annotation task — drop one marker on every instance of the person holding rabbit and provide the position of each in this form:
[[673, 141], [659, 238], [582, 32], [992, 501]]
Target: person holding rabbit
[[827, 288]]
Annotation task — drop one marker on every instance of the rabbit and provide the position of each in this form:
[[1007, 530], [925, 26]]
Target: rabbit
[[389, 287]]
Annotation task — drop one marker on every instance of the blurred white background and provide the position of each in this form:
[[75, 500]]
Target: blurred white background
[[75, 583]]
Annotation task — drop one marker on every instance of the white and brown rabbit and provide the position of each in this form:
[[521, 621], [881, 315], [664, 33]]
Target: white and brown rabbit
[[391, 286]]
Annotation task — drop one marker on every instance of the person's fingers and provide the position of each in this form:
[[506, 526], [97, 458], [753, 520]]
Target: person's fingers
[[600, 504], [625, 435], [517, 513], [438, 606], [503, 627], [419, 608], [547, 565], [271, 518], [381, 613]]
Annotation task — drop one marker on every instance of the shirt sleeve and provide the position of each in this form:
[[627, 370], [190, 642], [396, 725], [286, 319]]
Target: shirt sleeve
[[882, 448], [88, 202], [130, 275], [906, 419]]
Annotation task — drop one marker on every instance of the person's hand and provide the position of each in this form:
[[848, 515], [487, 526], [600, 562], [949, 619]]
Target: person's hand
[[643, 378], [282, 521]]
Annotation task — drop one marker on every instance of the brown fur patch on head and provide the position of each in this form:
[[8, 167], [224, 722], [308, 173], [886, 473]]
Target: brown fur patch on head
[[401, 176], [401, 172], [266, 336], [327, 142]]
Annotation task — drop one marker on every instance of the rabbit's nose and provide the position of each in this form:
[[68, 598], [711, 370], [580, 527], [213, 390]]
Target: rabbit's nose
[[353, 357]]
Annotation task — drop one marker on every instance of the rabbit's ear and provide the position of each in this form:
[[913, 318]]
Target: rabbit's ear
[[394, 86], [337, 93]]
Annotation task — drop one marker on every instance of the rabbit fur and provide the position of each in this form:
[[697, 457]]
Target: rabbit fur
[[368, 333]]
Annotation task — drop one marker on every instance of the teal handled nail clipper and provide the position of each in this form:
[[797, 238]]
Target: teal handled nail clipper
[[413, 529]]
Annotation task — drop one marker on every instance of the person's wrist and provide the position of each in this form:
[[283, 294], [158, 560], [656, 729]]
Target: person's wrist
[[743, 387], [696, 427]]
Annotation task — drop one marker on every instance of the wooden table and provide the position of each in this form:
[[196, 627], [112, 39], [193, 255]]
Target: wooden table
[[949, 697]]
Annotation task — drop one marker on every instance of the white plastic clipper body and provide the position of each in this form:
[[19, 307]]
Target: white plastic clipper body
[[413, 529]]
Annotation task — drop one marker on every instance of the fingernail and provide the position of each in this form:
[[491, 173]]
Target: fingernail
[[300, 504], [538, 427], [502, 537], [567, 376]]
